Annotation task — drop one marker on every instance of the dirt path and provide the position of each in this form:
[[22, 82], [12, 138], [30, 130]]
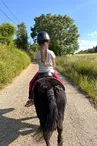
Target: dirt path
[[18, 123]]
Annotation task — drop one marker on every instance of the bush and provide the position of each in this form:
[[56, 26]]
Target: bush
[[12, 62], [32, 50]]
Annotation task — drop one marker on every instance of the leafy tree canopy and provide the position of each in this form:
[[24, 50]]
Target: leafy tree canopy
[[62, 30]]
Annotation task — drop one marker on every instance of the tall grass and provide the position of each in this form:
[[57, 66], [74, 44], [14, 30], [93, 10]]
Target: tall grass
[[12, 61], [82, 70]]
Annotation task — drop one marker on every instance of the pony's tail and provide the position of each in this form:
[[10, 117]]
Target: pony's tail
[[52, 117]]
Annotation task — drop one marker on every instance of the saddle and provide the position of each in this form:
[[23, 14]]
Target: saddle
[[48, 77], [45, 74]]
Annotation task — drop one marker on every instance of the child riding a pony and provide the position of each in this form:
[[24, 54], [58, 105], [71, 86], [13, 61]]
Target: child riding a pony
[[46, 61]]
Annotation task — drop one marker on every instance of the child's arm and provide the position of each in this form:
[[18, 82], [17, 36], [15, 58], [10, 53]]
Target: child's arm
[[54, 63]]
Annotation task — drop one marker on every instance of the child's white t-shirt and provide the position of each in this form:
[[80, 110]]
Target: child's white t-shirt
[[42, 66]]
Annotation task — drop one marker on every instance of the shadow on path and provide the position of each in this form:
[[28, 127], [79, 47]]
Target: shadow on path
[[10, 128]]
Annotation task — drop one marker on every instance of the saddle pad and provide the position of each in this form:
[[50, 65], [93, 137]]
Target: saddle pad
[[51, 80]]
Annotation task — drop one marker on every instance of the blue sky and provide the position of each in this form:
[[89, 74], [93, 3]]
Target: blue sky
[[82, 11]]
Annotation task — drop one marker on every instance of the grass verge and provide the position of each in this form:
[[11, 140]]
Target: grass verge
[[81, 70], [12, 62]]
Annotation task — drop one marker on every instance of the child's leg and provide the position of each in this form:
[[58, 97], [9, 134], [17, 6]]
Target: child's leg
[[56, 76], [33, 81], [30, 101]]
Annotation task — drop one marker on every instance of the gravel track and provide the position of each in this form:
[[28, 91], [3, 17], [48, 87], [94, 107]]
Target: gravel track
[[18, 123]]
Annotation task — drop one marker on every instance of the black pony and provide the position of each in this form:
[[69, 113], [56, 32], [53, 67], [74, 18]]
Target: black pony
[[50, 101]]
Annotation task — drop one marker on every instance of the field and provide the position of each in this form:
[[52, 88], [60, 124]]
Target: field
[[81, 69]]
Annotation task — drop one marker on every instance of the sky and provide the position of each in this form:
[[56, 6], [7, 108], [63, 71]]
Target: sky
[[82, 11]]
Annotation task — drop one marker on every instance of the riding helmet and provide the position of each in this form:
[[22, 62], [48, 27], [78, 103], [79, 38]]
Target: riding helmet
[[42, 37]]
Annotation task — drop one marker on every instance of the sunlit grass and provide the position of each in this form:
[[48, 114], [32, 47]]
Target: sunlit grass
[[12, 61], [82, 70]]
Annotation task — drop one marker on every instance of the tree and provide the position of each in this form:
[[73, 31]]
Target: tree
[[7, 31], [62, 30], [22, 37], [96, 49], [91, 50]]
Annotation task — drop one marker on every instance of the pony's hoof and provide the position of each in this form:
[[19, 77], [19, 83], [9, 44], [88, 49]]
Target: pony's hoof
[[60, 144]]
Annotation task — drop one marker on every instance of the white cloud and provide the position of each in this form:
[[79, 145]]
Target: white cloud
[[86, 44], [93, 34]]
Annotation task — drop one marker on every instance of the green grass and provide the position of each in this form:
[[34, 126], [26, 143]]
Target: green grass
[[81, 70], [12, 62]]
